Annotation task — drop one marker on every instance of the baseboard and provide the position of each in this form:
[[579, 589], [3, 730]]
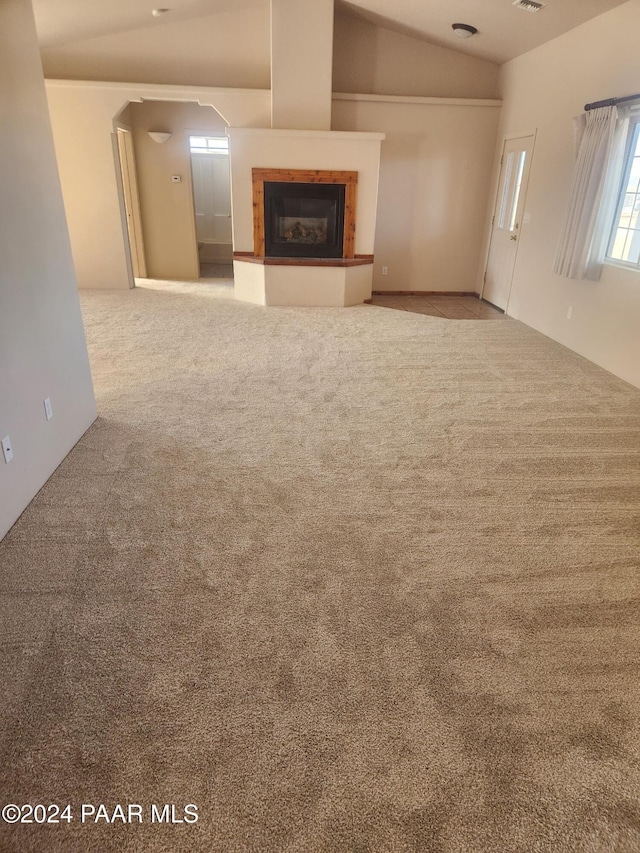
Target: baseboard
[[425, 293]]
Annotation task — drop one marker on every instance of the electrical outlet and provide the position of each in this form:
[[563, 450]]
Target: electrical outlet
[[385, 270], [6, 449], [569, 312], [47, 408]]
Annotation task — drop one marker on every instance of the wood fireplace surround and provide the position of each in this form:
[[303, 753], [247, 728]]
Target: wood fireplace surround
[[306, 177]]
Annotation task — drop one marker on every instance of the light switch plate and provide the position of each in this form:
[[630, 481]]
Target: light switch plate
[[47, 408]]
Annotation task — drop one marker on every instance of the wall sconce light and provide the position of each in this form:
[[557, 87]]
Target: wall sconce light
[[464, 31], [159, 136]]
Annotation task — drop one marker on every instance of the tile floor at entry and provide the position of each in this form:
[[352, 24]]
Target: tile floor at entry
[[451, 307]]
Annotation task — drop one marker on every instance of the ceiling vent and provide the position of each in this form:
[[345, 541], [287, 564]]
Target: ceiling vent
[[529, 5]]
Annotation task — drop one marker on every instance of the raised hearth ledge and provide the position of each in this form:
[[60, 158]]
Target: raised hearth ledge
[[358, 261], [320, 285]]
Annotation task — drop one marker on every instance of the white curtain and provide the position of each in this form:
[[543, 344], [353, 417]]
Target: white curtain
[[601, 136]]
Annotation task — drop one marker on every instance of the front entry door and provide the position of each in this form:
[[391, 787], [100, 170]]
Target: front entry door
[[507, 220]]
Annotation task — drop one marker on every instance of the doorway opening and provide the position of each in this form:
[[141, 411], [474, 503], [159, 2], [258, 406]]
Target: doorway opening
[[175, 203], [212, 204]]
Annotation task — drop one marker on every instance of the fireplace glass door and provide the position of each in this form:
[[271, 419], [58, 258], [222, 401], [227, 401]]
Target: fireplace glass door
[[304, 220]]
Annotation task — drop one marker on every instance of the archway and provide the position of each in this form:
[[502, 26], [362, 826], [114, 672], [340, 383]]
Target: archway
[[179, 232]]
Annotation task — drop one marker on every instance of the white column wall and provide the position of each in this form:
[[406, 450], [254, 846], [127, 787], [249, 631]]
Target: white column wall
[[42, 346], [301, 64]]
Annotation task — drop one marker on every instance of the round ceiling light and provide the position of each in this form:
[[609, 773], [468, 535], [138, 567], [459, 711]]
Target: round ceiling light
[[464, 31]]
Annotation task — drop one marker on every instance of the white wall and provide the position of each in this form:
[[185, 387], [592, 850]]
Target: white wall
[[435, 172], [301, 64], [543, 90], [369, 59], [42, 346], [226, 49], [82, 116]]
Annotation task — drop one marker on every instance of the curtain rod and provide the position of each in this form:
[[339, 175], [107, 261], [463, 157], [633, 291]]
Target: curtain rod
[[610, 102]]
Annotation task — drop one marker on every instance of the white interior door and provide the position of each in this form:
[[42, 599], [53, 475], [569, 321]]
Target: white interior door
[[507, 220], [212, 196]]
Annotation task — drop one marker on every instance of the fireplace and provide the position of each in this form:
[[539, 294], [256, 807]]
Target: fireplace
[[304, 214], [294, 195], [303, 220]]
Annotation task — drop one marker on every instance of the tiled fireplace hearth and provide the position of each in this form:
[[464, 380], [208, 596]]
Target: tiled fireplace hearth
[[304, 205]]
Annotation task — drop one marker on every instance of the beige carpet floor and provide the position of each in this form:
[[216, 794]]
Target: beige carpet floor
[[347, 580]]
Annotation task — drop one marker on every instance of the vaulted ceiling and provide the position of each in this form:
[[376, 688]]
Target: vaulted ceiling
[[65, 21], [504, 31]]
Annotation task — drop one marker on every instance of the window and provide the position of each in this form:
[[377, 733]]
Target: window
[[624, 243], [209, 144], [511, 190]]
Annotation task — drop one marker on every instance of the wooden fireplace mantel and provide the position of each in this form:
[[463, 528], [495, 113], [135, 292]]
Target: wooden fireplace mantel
[[304, 176]]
